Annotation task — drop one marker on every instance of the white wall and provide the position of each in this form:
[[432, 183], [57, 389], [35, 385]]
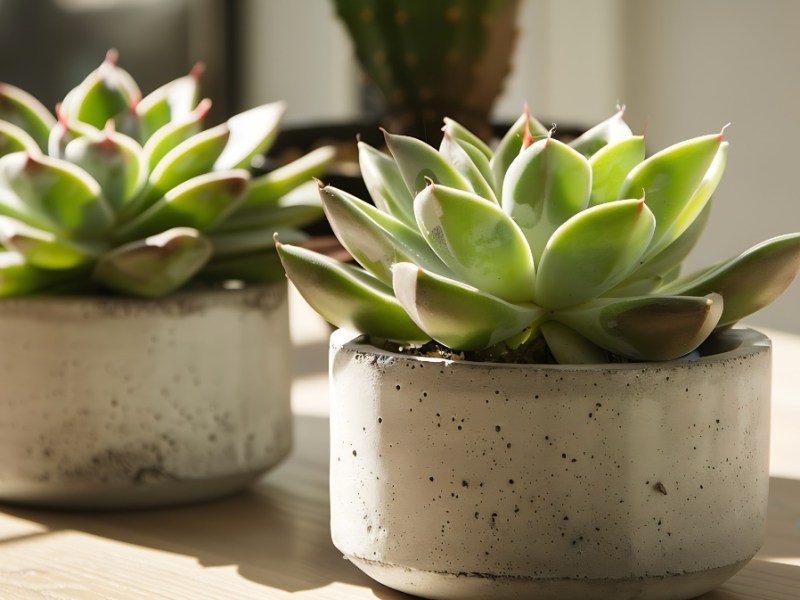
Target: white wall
[[683, 68]]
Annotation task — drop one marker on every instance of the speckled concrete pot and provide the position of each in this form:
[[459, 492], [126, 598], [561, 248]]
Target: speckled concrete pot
[[116, 402], [469, 480]]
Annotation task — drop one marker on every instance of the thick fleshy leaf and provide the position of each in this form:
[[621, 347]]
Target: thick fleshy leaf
[[612, 130], [175, 132], [347, 296], [156, 265], [457, 156], [670, 180], [418, 162], [547, 183], [19, 108], [611, 165], [199, 203], [50, 193], [299, 207], [646, 327], [374, 238], [477, 240], [65, 131], [114, 160], [592, 252], [569, 347], [15, 139], [750, 281], [266, 189], [172, 101], [191, 158], [251, 133], [462, 134], [459, 316], [106, 92], [44, 249], [18, 278], [385, 184], [673, 255], [699, 200], [511, 145]]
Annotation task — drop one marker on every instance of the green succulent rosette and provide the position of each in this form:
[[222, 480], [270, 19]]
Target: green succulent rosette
[[575, 247], [131, 194]]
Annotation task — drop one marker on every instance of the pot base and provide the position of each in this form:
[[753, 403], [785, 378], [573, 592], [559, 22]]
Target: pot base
[[89, 496], [477, 586]]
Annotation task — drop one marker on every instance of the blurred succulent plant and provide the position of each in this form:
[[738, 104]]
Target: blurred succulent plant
[[435, 58], [538, 249], [129, 193]]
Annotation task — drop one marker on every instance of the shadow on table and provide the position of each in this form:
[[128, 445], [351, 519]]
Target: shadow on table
[[276, 534]]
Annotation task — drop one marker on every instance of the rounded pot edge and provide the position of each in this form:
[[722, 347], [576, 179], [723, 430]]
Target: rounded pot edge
[[449, 478]]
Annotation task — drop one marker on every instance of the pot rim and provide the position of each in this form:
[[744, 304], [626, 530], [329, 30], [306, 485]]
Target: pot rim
[[725, 345]]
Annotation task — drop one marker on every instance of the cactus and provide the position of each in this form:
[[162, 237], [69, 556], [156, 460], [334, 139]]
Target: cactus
[[536, 251], [129, 194], [435, 58]]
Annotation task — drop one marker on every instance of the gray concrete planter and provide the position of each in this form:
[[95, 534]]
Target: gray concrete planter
[[469, 480], [116, 402]]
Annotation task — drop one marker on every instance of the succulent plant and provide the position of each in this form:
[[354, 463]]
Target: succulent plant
[[431, 59], [537, 250], [130, 194]]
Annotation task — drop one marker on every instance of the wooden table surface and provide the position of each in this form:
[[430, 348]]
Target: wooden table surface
[[273, 541]]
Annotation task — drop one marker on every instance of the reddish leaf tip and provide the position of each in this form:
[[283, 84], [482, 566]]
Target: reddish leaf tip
[[202, 108], [197, 70], [722, 131], [111, 57]]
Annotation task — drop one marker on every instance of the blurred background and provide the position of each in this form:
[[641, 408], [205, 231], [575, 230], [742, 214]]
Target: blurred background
[[683, 68]]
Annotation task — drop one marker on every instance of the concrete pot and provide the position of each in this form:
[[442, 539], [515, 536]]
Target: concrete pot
[[474, 480], [119, 402]]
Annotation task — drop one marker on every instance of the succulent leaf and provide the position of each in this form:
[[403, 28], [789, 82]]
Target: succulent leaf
[[462, 134], [749, 281], [374, 238], [15, 139], [251, 133], [670, 180], [199, 203], [593, 251], [300, 207], [52, 194], [19, 108], [547, 183], [419, 162], [250, 241], [511, 144], [671, 257], [156, 265], [646, 327], [171, 102], [174, 133], [477, 240], [65, 131], [611, 164], [385, 184], [114, 160], [18, 277], [267, 189], [569, 347], [347, 296], [44, 249], [611, 131], [106, 92], [477, 176], [441, 307]]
